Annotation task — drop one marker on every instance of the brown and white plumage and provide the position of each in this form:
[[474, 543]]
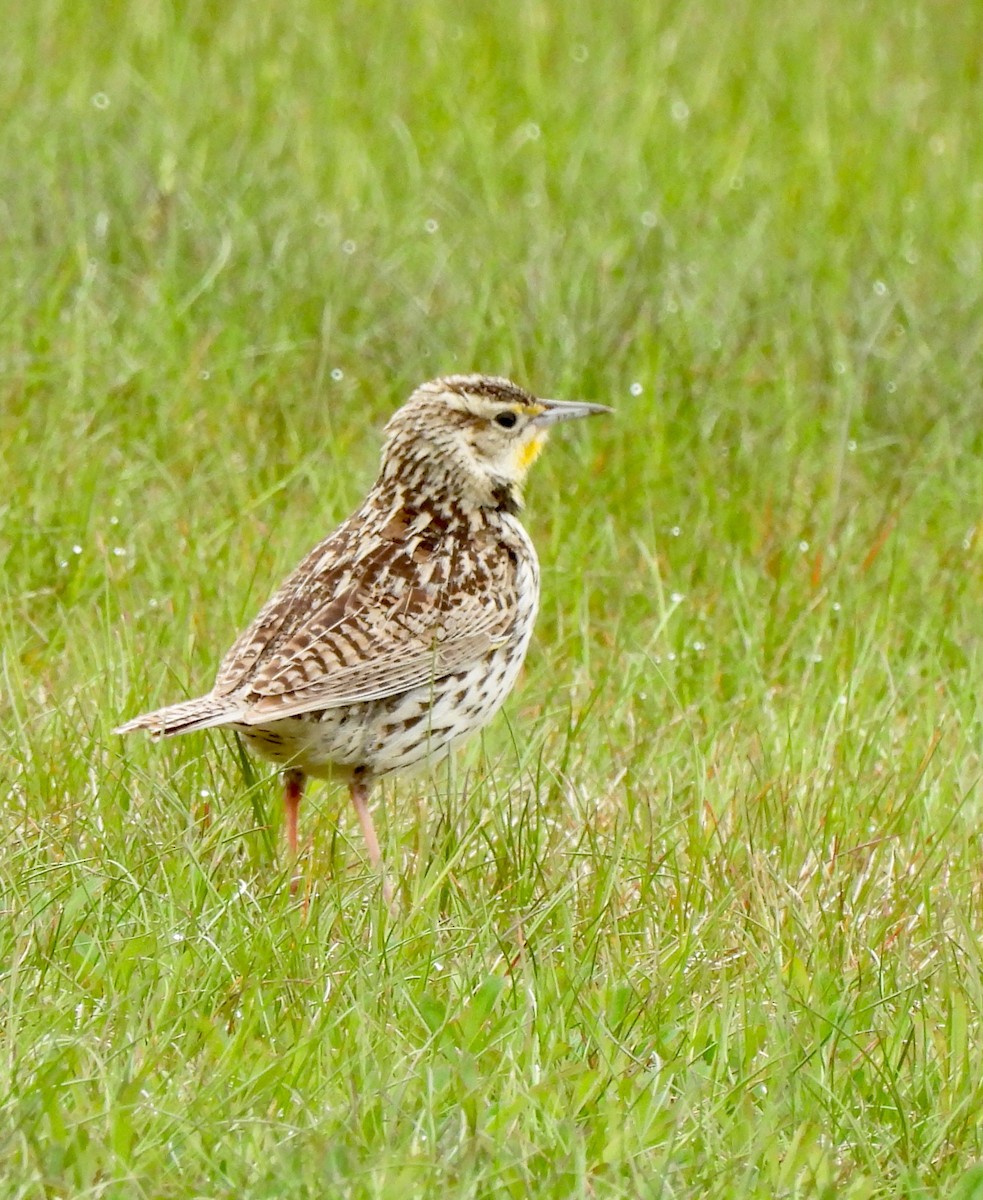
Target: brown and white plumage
[[404, 630]]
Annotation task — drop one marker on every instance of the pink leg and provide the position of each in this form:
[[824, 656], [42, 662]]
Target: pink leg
[[360, 798], [293, 793]]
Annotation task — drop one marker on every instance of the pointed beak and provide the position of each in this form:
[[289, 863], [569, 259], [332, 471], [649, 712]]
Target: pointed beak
[[555, 411]]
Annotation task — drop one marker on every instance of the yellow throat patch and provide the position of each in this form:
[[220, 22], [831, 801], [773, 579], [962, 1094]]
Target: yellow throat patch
[[530, 450]]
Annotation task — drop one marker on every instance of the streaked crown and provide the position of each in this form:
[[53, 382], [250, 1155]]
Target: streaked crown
[[485, 387]]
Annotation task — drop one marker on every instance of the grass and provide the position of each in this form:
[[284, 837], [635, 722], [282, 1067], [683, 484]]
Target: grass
[[701, 916]]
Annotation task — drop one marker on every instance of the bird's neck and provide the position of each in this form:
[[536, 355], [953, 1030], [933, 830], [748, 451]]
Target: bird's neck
[[395, 502], [451, 482], [506, 497]]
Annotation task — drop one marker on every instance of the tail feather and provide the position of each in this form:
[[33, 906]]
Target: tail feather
[[204, 712]]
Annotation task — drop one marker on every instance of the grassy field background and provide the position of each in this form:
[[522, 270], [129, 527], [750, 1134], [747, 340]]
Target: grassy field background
[[701, 916]]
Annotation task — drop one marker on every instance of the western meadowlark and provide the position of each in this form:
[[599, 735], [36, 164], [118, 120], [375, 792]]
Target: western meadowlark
[[405, 629]]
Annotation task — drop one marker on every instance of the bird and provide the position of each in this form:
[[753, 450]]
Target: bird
[[403, 631]]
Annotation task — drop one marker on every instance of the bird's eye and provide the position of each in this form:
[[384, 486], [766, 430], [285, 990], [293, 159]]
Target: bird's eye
[[506, 419]]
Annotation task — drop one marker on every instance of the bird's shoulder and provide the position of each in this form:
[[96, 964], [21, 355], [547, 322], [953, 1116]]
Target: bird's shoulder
[[388, 577]]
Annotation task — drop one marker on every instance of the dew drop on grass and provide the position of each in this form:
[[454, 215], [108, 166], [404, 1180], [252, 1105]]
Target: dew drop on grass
[[348, 246], [100, 100], [321, 219], [677, 597], [337, 374], [891, 387], [675, 531], [531, 132], [837, 606], [119, 552], [671, 656], [851, 445], [204, 375], [636, 389], [880, 287], [430, 225], [579, 52], [803, 546], [76, 549], [680, 110], [649, 219], [699, 647], [839, 368]]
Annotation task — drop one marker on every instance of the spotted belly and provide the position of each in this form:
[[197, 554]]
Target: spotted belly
[[401, 733]]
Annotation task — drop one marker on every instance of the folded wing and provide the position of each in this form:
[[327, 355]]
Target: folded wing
[[346, 628]]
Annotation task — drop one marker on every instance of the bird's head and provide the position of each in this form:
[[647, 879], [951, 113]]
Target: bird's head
[[473, 437]]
